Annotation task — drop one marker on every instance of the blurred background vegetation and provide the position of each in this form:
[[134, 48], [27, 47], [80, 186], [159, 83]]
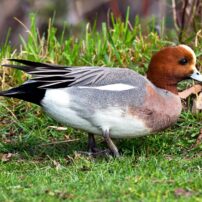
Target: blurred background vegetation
[[183, 17]]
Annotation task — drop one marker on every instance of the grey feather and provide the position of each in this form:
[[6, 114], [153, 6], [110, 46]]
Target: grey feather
[[55, 76]]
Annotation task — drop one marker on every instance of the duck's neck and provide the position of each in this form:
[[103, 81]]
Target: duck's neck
[[164, 83]]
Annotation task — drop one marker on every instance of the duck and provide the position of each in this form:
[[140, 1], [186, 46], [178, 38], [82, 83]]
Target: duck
[[110, 102]]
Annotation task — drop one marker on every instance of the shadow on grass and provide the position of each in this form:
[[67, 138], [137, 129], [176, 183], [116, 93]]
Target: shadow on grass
[[47, 143], [36, 147]]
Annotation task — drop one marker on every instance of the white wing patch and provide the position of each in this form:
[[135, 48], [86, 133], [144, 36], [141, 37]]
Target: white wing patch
[[111, 87]]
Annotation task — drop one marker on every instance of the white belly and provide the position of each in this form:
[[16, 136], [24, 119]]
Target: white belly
[[119, 124], [59, 106]]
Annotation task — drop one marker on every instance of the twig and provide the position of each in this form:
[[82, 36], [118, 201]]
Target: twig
[[175, 15], [130, 26], [197, 14], [192, 12], [15, 118], [58, 128], [183, 20], [59, 142], [197, 36]]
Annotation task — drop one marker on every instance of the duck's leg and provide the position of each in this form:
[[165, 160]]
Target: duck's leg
[[91, 143], [110, 143], [92, 149]]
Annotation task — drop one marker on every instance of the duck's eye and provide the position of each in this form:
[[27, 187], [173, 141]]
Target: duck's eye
[[183, 61]]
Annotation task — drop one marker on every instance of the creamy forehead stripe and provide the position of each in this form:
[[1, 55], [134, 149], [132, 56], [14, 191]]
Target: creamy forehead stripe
[[190, 50], [111, 87]]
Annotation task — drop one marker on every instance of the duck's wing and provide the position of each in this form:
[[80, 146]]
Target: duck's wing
[[55, 76]]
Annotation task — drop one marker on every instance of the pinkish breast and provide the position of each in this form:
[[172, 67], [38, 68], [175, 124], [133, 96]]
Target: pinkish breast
[[160, 109]]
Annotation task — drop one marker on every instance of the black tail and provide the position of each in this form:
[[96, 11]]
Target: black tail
[[44, 76], [27, 91]]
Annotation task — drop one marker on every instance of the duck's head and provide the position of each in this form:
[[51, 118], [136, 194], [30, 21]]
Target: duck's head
[[172, 65]]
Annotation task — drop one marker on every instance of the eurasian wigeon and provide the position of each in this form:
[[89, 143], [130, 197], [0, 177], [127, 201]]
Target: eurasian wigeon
[[112, 102]]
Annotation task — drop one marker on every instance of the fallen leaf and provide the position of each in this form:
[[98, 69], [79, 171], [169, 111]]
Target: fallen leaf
[[6, 157], [59, 194], [85, 168], [198, 140], [64, 195], [193, 90], [67, 137], [57, 165], [197, 104], [169, 157], [182, 192], [49, 192], [169, 181]]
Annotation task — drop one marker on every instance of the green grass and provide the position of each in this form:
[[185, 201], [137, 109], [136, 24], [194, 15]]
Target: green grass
[[37, 166]]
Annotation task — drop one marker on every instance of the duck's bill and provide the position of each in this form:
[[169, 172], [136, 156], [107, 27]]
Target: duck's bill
[[196, 75]]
